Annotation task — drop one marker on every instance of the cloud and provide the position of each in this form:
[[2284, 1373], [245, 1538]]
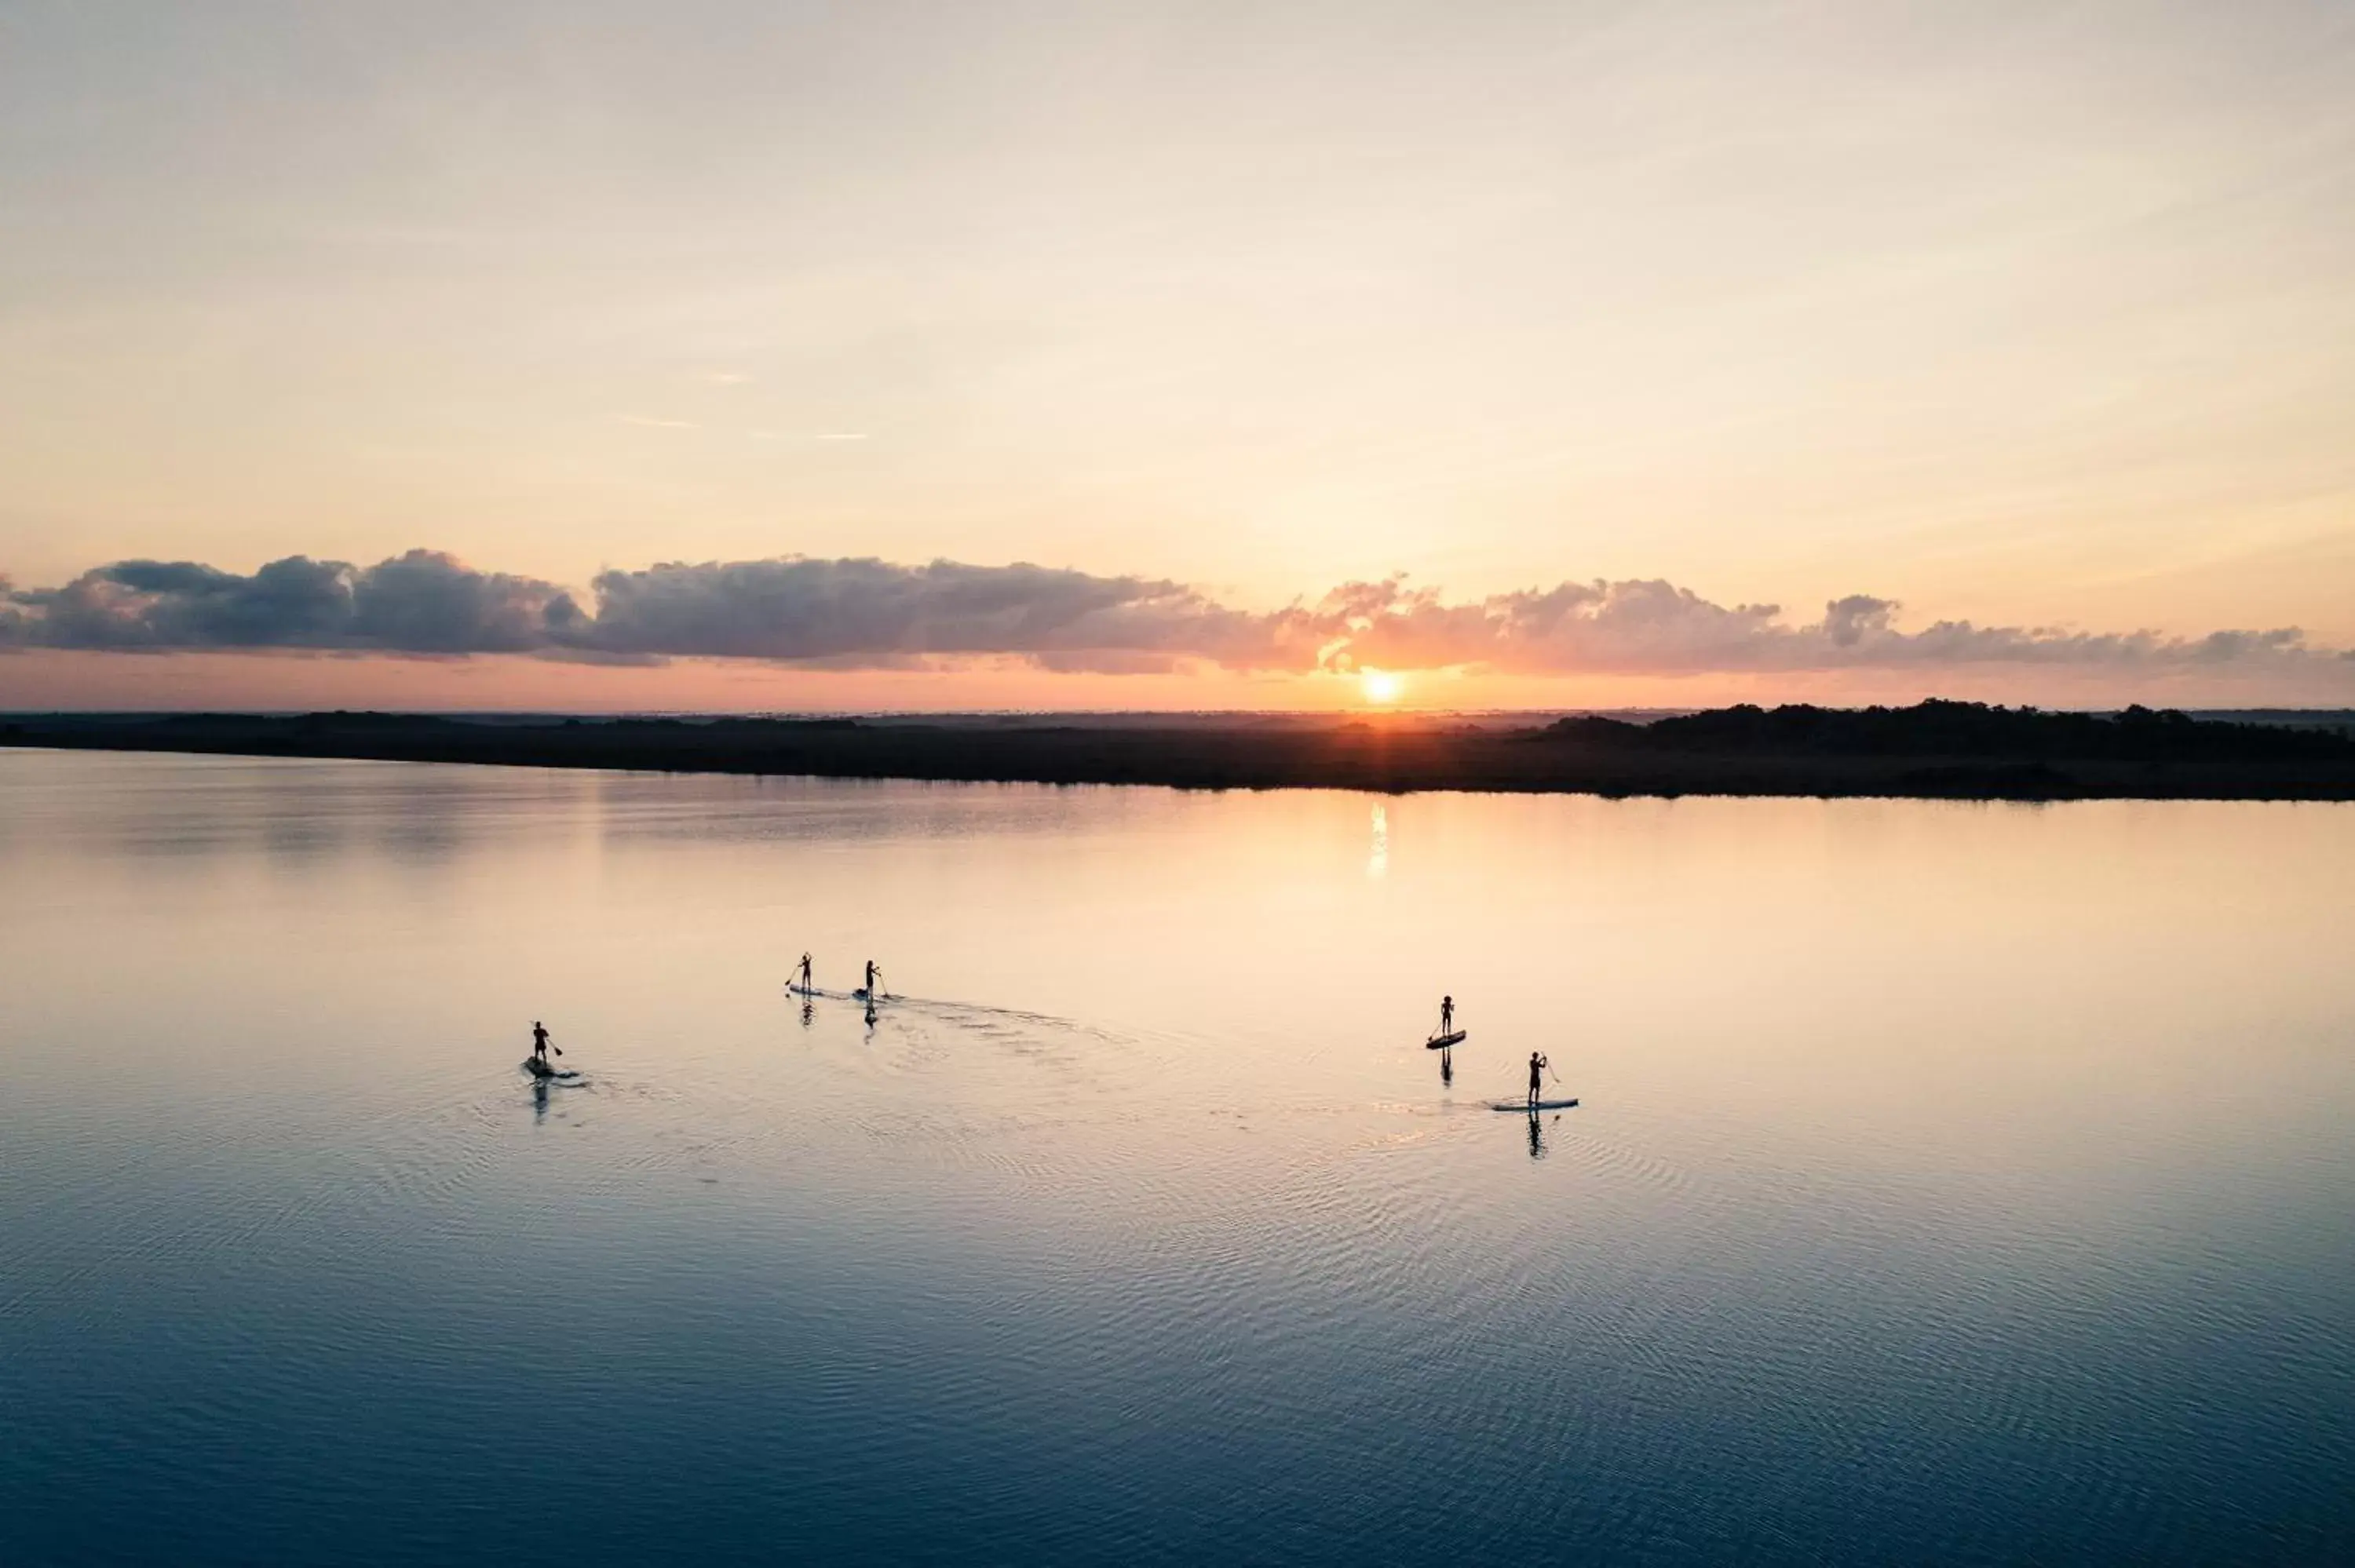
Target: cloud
[[865, 613], [426, 602], [419, 603], [1650, 627], [799, 610]]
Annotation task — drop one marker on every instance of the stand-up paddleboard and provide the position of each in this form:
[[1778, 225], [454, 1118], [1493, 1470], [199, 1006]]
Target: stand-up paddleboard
[[538, 1069], [819, 994], [1442, 1042], [862, 995], [1529, 1105]]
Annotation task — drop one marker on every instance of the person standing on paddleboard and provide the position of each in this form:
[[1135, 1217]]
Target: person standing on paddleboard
[[874, 979], [540, 1046], [808, 984], [1448, 1015], [1537, 1064]]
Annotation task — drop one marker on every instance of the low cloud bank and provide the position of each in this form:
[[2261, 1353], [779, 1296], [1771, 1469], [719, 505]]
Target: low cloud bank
[[872, 614], [420, 603], [864, 612], [1650, 627]]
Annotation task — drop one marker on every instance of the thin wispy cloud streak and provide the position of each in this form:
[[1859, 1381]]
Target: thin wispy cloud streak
[[865, 613]]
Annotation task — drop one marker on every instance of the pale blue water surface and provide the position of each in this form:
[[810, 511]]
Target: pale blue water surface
[[1953, 1183]]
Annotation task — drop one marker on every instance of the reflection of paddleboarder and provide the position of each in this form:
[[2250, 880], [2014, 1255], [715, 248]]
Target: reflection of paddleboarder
[[1537, 1064], [539, 1046]]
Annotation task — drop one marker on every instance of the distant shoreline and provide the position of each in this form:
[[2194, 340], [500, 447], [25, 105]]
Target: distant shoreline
[[1936, 752]]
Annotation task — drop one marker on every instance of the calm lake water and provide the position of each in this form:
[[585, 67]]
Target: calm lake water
[[1958, 1183]]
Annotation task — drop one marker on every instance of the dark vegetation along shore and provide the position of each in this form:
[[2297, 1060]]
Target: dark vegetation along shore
[[1958, 750]]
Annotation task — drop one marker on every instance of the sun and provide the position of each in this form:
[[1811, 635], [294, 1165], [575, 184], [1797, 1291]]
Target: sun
[[1381, 685]]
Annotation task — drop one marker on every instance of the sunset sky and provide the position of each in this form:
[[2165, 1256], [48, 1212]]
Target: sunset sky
[[723, 354]]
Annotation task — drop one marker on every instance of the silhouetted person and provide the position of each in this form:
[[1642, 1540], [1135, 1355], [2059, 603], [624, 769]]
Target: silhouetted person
[[1446, 1015], [540, 1046], [874, 980], [1537, 1064], [807, 983]]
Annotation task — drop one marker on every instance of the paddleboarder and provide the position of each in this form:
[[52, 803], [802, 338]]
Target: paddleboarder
[[874, 980], [808, 984], [539, 1046], [1537, 1064], [1448, 1015]]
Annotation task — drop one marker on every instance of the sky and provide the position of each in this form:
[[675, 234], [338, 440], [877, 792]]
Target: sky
[[724, 354]]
